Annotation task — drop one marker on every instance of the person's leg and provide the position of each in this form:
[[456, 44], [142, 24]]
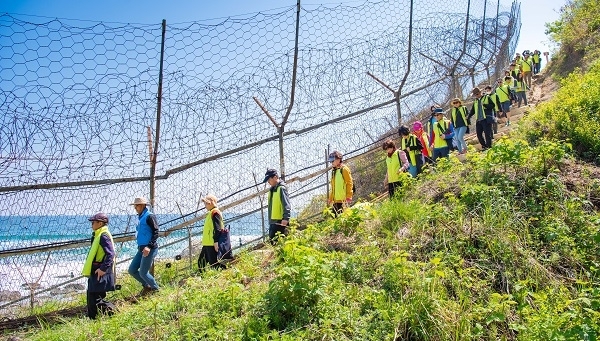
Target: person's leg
[[487, 127], [412, 170], [445, 152], [134, 268], [479, 131], [338, 208], [419, 166], [436, 154], [145, 265], [211, 256], [525, 98], [92, 308], [527, 78], [391, 189], [202, 260], [459, 134], [273, 230]]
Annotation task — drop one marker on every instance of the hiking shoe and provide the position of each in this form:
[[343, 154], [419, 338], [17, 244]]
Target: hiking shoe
[[145, 291]]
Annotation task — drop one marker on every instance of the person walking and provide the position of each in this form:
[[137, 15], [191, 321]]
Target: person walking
[[483, 110], [443, 134], [216, 243], [424, 138], [527, 68], [505, 95], [412, 147], [458, 117], [342, 184], [147, 247], [99, 267], [537, 61], [279, 210], [396, 162]]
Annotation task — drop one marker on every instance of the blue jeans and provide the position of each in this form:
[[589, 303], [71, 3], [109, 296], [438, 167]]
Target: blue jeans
[[140, 268], [459, 138]]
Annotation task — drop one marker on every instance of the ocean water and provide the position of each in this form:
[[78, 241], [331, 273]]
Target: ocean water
[[26, 257]]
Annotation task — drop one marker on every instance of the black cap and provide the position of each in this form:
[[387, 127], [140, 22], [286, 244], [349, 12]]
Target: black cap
[[269, 174]]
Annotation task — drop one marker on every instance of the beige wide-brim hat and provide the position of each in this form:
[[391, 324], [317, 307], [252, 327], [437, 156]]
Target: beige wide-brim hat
[[210, 199], [139, 201]]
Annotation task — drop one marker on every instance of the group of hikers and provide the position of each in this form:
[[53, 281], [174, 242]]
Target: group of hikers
[[424, 144], [99, 266]]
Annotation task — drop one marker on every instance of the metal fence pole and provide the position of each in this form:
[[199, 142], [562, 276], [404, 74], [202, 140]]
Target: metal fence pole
[[158, 112]]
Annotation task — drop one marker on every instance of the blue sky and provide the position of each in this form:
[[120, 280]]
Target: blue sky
[[534, 12]]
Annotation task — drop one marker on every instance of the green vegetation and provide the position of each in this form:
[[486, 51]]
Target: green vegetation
[[509, 249], [573, 115], [578, 33]]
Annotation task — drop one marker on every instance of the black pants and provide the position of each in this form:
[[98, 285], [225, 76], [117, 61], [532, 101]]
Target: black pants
[[208, 256], [392, 188], [273, 229], [484, 132], [96, 303], [338, 208]]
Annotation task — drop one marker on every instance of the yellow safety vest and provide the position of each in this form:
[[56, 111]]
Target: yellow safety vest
[[438, 139], [276, 204], [393, 165], [209, 227], [412, 154]]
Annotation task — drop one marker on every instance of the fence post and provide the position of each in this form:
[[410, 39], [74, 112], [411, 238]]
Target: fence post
[[327, 175], [158, 111], [410, 35]]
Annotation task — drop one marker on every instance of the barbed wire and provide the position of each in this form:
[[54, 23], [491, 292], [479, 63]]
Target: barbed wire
[[79, 103]]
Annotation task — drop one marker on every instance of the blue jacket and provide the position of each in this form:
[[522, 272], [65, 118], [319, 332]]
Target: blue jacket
[[147, 229]]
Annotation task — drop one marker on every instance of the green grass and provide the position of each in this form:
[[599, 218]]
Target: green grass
[[498, 247]]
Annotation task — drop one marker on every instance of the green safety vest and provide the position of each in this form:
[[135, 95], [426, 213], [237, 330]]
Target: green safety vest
[[393, 165], [276, 204], [438, 139], [463, 113], [412, 154], [339, 186], [209, 227], [503, 93]]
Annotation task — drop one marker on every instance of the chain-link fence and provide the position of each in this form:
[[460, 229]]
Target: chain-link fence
[[95, 114]]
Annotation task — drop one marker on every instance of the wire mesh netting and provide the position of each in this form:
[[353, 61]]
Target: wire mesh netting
[[83, 122]]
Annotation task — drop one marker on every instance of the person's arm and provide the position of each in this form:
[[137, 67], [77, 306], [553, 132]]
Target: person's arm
[[472, 111], [151, 221], [216, 220], [349, 182], [403, 161], [287, 207]]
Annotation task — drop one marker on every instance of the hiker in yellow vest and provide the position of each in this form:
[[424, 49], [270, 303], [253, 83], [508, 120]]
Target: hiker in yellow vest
[[422, 135], [411, 145], [443, 133], [396, 162], [521, 93], [527, 67], [342, 184], [504, 93], [537, 61], [279, 206], [458, 117], [216, 244], [99, 267]]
